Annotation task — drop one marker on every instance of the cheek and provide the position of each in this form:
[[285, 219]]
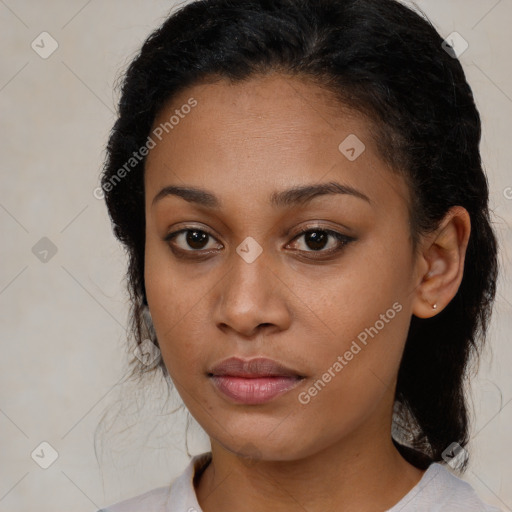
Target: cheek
[[175, 307], [366, 315], [356, 366], [354, 296]]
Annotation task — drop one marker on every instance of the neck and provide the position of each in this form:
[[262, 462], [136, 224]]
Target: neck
[[362, 471]]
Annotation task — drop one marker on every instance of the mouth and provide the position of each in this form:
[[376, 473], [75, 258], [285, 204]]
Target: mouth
[[254, 381]]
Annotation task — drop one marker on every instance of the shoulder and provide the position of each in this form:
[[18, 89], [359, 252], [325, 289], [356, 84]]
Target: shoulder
[[154, 500], [441, 490], [179, 496]]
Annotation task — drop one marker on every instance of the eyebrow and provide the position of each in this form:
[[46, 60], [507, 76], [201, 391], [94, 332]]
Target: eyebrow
[[291, 197]]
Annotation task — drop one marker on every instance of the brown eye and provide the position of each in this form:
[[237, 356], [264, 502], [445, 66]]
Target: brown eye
[[196, 239], [316, 240], [186, 239]]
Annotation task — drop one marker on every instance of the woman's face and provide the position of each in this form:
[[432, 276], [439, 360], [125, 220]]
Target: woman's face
[[244, 282]]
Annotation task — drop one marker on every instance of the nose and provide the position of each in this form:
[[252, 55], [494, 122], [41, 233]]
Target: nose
[[252, 298]]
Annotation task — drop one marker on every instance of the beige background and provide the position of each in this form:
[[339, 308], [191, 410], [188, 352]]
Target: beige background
[[63, 320]]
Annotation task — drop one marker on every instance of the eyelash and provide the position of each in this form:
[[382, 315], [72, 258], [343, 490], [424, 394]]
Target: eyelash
[[343, 240]]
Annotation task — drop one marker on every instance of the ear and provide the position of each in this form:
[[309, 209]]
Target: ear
[[440, 264]]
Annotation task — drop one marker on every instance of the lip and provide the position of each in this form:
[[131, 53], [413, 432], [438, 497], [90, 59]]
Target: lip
[[253, 381], [252, 368]]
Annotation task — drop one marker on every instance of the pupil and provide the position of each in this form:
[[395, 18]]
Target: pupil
[[318, 241], [196, 237]]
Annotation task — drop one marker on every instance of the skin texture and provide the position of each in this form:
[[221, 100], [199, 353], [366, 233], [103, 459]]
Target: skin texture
[[243, 142]]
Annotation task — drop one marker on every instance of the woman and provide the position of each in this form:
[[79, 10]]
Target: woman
[[299, 188]]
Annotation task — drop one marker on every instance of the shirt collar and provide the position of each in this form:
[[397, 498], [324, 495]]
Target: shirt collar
[[182, 496]]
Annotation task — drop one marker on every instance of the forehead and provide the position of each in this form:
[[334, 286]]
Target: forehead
[[261, 135]]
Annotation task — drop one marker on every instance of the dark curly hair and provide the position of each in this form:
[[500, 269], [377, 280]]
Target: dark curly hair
[[387, 62]]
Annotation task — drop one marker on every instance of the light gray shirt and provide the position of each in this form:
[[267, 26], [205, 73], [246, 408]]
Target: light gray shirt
[[439, 490]]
